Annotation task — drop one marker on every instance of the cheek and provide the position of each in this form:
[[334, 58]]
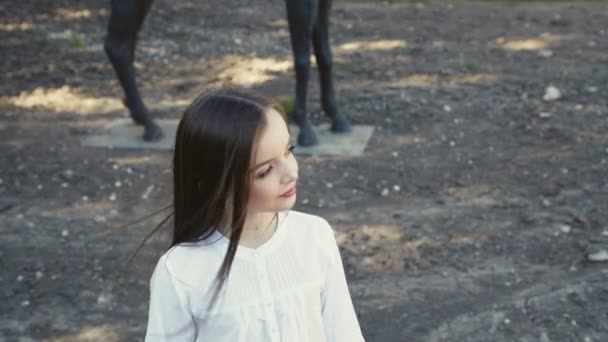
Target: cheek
[[263, 193]]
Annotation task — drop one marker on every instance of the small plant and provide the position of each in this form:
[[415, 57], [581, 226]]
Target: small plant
[[76, 43], [287, 104]]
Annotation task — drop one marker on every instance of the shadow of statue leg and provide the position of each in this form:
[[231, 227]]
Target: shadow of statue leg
[[300, 16], [126, 18], [322, 50]]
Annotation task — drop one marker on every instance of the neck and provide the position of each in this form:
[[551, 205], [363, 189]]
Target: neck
[[258, 228], [258, 222]]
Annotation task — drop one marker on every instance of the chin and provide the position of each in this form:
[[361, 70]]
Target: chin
[[287, 203]]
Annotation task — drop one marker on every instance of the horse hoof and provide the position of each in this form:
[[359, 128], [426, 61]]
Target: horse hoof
[[153, 133]]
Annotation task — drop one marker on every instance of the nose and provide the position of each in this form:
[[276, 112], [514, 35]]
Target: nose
[[290, 174]]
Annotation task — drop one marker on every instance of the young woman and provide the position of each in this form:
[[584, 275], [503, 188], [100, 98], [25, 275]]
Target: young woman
[[242, 266]]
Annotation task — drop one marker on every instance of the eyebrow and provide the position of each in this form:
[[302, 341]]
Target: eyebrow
[[269, 160]]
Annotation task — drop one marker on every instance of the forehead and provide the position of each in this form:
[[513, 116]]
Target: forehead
[[274, 137]]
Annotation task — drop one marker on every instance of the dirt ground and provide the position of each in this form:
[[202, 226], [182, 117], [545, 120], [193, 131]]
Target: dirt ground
[[467, 219]]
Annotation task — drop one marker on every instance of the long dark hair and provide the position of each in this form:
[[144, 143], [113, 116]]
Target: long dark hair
[[212, 162]]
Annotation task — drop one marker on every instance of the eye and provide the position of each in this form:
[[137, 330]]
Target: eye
[[290, 149], [264, 173]]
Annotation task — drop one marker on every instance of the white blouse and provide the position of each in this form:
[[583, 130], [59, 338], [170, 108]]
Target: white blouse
[[292, 288]]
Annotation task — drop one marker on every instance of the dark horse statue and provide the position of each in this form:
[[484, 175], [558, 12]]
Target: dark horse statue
[[308, 23]]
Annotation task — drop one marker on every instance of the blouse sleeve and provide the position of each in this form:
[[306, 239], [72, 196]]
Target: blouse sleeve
[[339, 315], [169, 317]]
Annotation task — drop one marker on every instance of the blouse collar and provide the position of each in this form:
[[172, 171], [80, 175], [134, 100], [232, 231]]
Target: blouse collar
[[268, 246]]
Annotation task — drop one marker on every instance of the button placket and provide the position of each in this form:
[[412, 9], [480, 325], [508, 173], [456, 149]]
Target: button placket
[[267, 299]]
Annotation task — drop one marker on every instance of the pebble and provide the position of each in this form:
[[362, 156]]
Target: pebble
[[65, 233], [545, 115], [39, 275], [305, 201], [117, 184], [565, 228], [329, 185], [592, 89], [25, 303], [147, 192], [385, 192], [545, 53], [599, 256], [20, 278], [396, 188], [552, 93], [447, 108], [104, 298], [112, 197]]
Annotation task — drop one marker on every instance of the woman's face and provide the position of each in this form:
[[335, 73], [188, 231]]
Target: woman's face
[[275, 170]]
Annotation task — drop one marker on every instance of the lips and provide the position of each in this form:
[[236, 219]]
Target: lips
[[289, 192]]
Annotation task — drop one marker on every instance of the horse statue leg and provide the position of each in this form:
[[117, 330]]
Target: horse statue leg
[[322, 50], [126, 18], [300, 15]]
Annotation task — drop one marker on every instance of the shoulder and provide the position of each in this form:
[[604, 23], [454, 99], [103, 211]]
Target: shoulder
[[189, 265], [301, 220], [306, 226]]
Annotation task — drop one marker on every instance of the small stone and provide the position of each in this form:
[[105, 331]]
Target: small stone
[[452, 143], [395, 154], [545, 115], [564, 228], [19, 216], [578, 107], [385, 192], [545, 53], [65, 233], [507, 321], [552, 93], [591, 89], [30, 224], [396, 188], [25, 303], [113, 212], [85, 198], [329, 185], [305, 201], [115, 166], [39, 275], [104, 298], [40, 187], [112, 197], [64, 185], [447, 108], [117, 184], [68, 173], [20, 278], [129, 171], [100, 219], [147, 192], [599, 256], [321, 203]]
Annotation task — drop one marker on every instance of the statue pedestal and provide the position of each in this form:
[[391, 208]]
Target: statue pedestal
[[123, 133]]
